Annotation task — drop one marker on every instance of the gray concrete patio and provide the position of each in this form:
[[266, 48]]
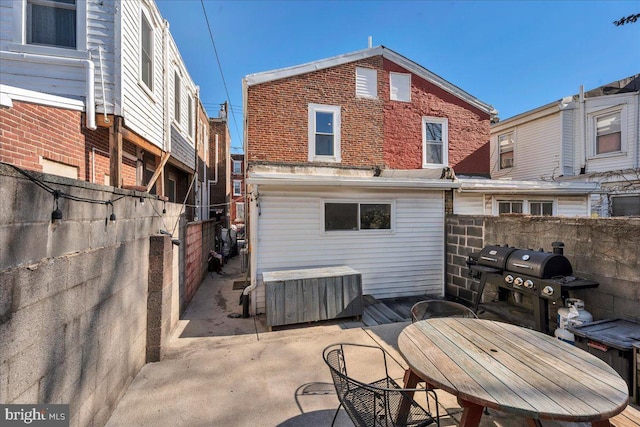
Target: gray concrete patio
[[228, 371]]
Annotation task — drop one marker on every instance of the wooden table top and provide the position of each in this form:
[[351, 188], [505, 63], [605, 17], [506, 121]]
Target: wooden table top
[[513, 369]]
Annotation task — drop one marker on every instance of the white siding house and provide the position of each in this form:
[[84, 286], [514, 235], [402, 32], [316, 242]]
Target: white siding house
[[592, 136]]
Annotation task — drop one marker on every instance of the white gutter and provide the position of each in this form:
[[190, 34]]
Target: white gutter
[[583, 133], [254, 196], [351, 181], [526, 187], [90, 103]]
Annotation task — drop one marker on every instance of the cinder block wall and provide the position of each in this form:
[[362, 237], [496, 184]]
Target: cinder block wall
[[73, 296], [603, 249]]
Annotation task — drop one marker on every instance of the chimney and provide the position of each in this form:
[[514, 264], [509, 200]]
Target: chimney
[[370, 42]]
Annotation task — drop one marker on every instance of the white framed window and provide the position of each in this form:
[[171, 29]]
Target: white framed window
[[625, 205], [237, 167], [358, 216], [506, 146], [608, 133], [190, 115], [541, 207], [435, 141], [324, 133], [146, 51], [366, 82], [400, 86], [52, 23], [510, 207], [240, 210], [171, 187], [176, 97], [523, 205], [237, 187]]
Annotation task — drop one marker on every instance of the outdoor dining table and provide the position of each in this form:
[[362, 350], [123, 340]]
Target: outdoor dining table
[[512, 369]]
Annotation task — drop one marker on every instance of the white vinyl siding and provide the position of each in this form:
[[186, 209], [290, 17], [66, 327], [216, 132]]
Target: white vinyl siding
[[468, 204], [568, 149], [409, 261], [400, 87], [573, 206], [366, 82]]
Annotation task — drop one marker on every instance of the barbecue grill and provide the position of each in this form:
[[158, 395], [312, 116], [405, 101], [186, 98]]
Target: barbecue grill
[[547, 277]]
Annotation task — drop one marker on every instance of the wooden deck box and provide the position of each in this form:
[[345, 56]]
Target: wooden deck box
[[312, 294]]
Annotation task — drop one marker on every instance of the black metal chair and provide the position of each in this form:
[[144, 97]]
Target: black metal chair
[[379, 403], [430, 309]]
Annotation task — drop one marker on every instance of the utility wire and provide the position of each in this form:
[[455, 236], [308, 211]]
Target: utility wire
[[224, 82]]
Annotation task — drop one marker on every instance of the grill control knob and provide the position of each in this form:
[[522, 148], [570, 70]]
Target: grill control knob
[[528, 284], [518, 281], [548, 291], [508, 278]]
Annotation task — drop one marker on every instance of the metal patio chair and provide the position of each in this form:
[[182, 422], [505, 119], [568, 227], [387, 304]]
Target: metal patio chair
[[430, 309], [379, 403]]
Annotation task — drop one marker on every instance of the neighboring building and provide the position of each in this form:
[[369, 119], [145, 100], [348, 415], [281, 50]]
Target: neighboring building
[[220, 165], [348, 162], [96, 91], [238, 200], [203, 166], [592, 136]]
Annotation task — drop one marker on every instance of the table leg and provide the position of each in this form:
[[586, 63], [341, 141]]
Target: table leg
[[471, 414], [411, 380]]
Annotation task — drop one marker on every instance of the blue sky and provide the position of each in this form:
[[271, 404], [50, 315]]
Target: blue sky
[[514, 55]]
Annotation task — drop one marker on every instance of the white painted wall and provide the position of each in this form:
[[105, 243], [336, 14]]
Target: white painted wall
[[407, 261], [485, 204], [468, 203]]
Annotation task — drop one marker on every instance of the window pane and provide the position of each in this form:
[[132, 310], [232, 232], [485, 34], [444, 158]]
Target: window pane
[[434, 153], [176, 98], [506, 160], [608, 143], [324, 122], [340, 216], [504, 208], [324, 145], [52, 26], [375, 216], [625, 205], [146, 53], [433, 131], [608, 124], [516, 207]]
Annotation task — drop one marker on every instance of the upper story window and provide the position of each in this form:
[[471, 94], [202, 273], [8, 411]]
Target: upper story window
[[237, 167], [176, 97], [146, 51], [608, 133], [52, 23], [505, 144], [435, 136], [352, 216], [366, 82], [190, 114], [400, 84], [237, 188], [324, 133]]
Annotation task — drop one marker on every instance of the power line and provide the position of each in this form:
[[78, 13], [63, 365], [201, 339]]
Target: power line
[[224, 82]]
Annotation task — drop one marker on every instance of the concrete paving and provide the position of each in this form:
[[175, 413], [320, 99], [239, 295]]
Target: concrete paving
[[229, 371]]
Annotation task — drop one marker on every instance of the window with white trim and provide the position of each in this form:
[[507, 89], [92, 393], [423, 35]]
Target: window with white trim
[[435, 136], [510, 206], [176, 97], [237, 187], [146, 52], [366, 82], [190, 115], [237, 167], [400, 86], [538, 207], [353, 216], [608, 133], [506, 145], [324, 133], [239, 210], [52, 23], [541, 207]]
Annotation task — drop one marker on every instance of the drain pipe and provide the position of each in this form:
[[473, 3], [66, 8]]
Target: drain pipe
[[90, 103], [253, 244]]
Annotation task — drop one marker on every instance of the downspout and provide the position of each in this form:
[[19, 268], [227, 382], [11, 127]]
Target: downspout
[[165, 90], [583, 133], [636, 163], [90, 102]]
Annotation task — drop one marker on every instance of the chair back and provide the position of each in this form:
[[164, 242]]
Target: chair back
[[431, 309]]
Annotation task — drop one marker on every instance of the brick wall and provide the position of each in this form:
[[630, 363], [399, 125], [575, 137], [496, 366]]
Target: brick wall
[[469, 128], [601, 249], [277, 116], [220, 192]]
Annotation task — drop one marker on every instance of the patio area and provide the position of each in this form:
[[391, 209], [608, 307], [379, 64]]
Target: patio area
[[223, 370]]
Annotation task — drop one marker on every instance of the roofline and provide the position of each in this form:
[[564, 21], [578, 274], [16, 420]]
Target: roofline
[[502, 186], [415, 68]]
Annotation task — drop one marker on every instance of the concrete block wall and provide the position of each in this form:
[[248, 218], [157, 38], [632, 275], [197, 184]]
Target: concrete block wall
[[602, 249], [73, 296]]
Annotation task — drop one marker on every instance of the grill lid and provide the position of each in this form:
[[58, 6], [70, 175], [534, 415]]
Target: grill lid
[[495, 256], [544, 265]]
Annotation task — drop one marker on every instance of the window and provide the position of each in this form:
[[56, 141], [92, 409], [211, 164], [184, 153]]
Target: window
[[52, 23], [400, 84], [541, 208], [171, 188], [324, 133], [240, 210], [505, 144], [510, 206], [237, 187], [625, 205], [341, 216], [176, 97], [190, 114], [434, 141], [608, 133], [366, 82], [237, 167], [146, 52]]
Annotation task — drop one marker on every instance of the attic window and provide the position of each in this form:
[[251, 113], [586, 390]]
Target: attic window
[[400, 84], [608, 131], [505, 142], [366, 82]]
